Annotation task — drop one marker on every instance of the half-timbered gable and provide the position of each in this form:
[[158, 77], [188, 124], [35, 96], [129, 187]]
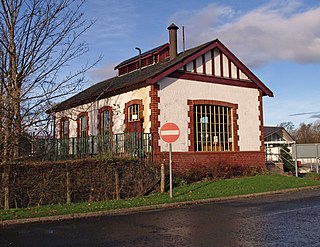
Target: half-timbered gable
[[215, 63]]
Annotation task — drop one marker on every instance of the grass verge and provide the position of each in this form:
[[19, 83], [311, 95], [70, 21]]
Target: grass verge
[[192, 192]]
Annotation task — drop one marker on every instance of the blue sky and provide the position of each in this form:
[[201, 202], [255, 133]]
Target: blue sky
[[279, 40]]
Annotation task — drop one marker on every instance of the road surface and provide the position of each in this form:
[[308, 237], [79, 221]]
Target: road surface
[[291, 219]]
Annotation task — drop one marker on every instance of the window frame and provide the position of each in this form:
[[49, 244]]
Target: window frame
[[79, 125], [64, 135], [100, 118], [140, 119], [133, 110], [193, 104]]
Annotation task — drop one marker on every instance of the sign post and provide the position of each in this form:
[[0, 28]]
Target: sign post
[[169, 133]]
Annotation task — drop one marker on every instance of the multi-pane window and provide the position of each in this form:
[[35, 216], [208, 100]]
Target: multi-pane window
[[83, 126], [213, 128], [64, 128], [133, 113], [105, 122]]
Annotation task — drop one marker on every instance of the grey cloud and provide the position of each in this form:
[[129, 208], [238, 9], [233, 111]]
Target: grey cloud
[[102, 73], [272, 32], [303, 113]]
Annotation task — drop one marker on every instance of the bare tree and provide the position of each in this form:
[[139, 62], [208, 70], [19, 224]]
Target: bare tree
[[38, 40], [289, 126], [308, 133]]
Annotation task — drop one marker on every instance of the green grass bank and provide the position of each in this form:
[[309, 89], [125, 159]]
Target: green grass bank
[[191, 192]]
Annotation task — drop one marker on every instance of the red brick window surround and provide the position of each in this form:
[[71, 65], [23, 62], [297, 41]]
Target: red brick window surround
[[83, 124], [105, 120], [213, 126], [133, 116], [64, 128]]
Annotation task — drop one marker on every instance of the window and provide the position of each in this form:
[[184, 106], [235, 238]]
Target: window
[[105, 121], [213, 128], [83, 125], [64, 128], [133, 113]]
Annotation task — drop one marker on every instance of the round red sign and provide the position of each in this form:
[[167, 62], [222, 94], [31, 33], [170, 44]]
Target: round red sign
[[169, 132]]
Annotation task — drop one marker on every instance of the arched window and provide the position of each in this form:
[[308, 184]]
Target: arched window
[[64, 128], [105, 120], [83, 124], [134, 116], [133, 113]]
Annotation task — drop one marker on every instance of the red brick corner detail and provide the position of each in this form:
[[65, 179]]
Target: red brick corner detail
[[154, 117]]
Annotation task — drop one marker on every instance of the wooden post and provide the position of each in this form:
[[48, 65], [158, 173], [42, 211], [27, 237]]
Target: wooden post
[[162, 181], [116, 181], [68, 188]]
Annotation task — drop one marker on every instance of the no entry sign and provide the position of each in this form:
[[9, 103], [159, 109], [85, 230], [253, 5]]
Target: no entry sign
[[169, 132]]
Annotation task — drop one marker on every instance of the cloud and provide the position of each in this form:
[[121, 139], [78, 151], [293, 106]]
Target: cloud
[[102, 73], [113, 19], [281, 109], [303, 113], [275, 31]]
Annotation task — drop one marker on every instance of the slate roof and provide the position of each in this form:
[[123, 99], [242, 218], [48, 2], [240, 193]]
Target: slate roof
[[146, 76], [270, 130], [111, 86]]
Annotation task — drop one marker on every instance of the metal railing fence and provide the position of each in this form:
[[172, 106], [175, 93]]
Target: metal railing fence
[[133, 144]]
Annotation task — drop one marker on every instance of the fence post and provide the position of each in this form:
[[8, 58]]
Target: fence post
[[295, 159], [92, 145], [116, 143], [68, 187], [116, 181], [162, 181], [317, 158], [73, 148]]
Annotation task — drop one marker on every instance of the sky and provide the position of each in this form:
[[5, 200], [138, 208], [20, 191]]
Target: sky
[[278, 40]]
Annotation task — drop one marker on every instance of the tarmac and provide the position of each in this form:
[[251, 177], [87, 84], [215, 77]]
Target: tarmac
[[147, 208]]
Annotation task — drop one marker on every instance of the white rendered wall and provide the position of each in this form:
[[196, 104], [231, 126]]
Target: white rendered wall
[[174, 94], [117, 103]]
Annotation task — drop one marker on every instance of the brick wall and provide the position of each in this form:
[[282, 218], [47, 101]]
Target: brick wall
[[185, 160]]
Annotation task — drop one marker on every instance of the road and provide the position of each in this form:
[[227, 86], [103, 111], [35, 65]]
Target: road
[[291, 219]]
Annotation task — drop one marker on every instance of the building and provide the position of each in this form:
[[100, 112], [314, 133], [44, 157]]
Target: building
[[274, 139], [207, 91], [277, 136]]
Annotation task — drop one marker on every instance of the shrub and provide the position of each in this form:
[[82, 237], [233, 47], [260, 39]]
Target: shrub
[[42, 183], [287, 159], [220, 171], [313, 176]]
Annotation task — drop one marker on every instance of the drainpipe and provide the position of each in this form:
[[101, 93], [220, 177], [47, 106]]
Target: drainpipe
[[139, 57]]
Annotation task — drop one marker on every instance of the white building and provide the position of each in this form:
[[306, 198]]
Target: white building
[[207, 91]]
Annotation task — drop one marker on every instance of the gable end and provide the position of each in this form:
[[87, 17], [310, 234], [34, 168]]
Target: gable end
[[216, 61]]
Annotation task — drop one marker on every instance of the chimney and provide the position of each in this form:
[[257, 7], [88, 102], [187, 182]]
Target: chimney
[[173, 40]]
